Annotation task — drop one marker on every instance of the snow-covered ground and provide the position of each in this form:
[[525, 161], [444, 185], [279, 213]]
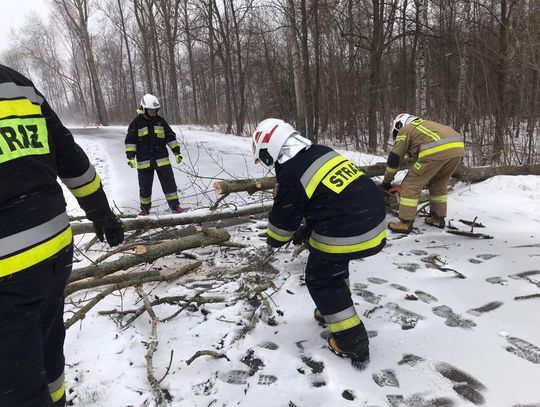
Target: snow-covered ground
[[461, 342]]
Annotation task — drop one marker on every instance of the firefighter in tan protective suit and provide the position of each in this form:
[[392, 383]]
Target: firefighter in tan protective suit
[[437, 149]]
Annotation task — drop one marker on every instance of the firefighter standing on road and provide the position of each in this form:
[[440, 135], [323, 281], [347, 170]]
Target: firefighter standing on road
[[36, 243], [437, 149], [147, 139], [344, 213]]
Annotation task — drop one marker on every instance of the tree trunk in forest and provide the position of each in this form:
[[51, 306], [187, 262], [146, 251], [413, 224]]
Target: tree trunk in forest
[[297, 69], [134, 97], [79, 24], [191, 60], [421, 57], [502, 79], [308, 91], [375, 55], [169, 10]]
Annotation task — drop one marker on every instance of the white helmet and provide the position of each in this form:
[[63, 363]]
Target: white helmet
[[149, 101], [400, 121], [268, 138]]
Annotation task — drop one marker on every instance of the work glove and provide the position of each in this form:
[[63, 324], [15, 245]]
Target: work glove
[[385, 186], [110, 228], [132, 163], [178, 158], [301, 235]]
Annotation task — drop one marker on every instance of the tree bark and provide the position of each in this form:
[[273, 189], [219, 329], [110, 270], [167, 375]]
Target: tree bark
[[154, 252], [462, 173], [185, 219]]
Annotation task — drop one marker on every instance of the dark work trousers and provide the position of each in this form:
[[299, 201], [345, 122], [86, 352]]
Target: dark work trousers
[[168, 185], [326, 281], [32, 334]]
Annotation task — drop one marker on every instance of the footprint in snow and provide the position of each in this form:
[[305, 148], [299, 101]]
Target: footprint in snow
[[386, 377], [234, 376], [523, 349], [392, 311], [399, 287], [410, 267], [367, 295], [425, 297], [269, 345], [377, 280], [462, 383], [497, 280], [410, 359], [486, 256], [452, 319], [490, 306], [418, 400]]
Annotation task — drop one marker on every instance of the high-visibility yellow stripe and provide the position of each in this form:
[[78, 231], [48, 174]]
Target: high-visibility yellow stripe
[[58, 394], [358, 247], [439, 198], [87, 189], [143, 166], [131, 148], [277, 237], [345, 324], [443, 147], [408, 201], [36, 254], [391, 170], [21, 107], [428, 132], [401, 138], [162, 163], [321, 173], [145, 201]]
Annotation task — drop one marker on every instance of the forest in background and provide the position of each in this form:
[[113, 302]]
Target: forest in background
[[336, 69]]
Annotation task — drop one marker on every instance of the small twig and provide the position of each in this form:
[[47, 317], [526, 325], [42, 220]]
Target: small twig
[[90, 243], [152, 347], [212, 353], [168, 367], [82, 312], [215, 205]]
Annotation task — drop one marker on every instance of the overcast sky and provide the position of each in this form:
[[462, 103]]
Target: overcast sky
[[14, 14]]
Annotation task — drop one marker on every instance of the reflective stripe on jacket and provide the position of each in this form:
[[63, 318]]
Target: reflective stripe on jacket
[[344, 208], [147, 139], [35, 149], [424, 140]]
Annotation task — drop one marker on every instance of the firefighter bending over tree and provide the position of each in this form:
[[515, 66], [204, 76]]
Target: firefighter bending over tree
[[437, 149], [36, 243], [147, 139], [344, 215]]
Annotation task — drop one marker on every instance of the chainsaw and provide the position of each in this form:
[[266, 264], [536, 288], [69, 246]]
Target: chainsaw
[[392, 197]]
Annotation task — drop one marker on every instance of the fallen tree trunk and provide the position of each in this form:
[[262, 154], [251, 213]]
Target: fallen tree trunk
[[462, 173], [178, 220], [248, 185], [477, 174], [210, 237]]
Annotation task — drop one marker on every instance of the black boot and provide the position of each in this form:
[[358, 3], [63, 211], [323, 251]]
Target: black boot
[[351, 345]]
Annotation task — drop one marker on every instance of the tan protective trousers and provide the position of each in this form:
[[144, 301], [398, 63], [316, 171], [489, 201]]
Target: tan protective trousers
[[433, 173]]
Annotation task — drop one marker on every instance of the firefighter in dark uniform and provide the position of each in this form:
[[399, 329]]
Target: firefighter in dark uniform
[[344, 214], [147, 139], [437, 149], [36, 241]]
